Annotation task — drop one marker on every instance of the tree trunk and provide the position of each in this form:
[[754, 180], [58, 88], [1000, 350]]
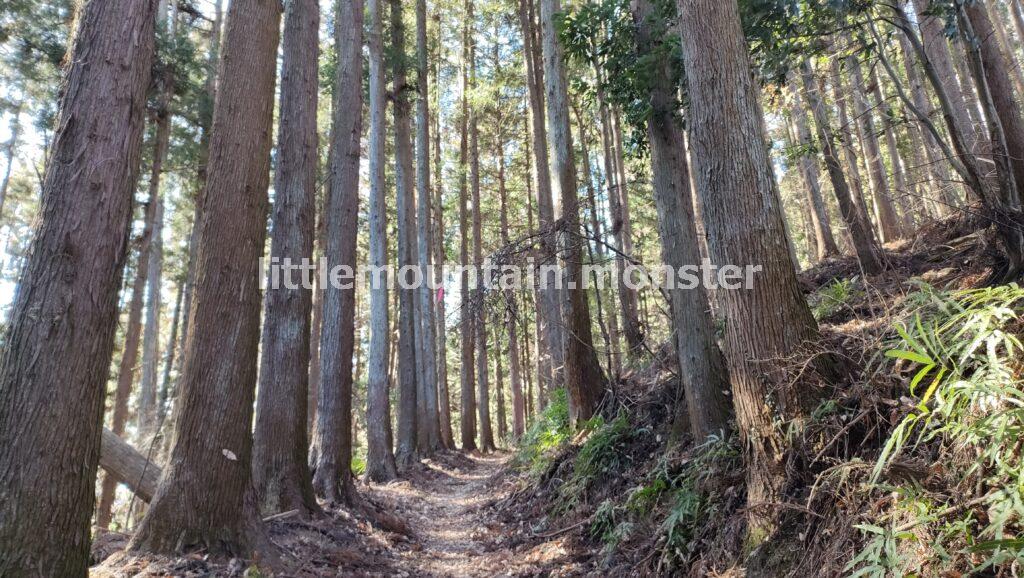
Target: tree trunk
[[205, 493], [59, 339], [479, 309], [899, 190], [467, 411], [499, 388], [622, 227], [584, 379], [549, 319], [280, 471], [129, 355], [936, 47], [701, 403], [429, 438], [167, 392], [405, 452], [996, 74], [937, 163], [125, 465], [863, 238], [331, 452], [154, 277], [9, 148], [885, 214], [380, 459], [824, 241], [769, 319], [511, 307], [443, 398]]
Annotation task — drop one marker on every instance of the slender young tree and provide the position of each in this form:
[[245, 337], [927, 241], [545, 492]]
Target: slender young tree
[[769, 319], [205, 493], [59, 338], [380, 457], [467, 413], [584, 379], [280, 468]]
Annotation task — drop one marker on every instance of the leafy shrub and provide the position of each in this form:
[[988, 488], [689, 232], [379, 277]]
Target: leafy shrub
[[967, 385]]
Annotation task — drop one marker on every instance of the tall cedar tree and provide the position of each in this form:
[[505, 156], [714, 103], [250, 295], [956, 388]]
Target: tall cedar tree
[[703, 374], [584, 380], [380, 458], [769, 320], [205, 496], [428, 437], [331, 452], [60, 336], [549, 318], [467, 413], [280, 454]]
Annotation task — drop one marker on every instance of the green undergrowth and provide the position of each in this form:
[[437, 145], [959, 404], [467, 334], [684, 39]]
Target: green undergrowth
[[545, 437], [834, 297], [964, 419]]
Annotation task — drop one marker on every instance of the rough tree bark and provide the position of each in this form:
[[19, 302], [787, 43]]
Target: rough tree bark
[[701, 403], [549, 318], [405, 190], [467, 397], [205, 494], [331, 452], [429, 435], [742, 214], [280, 470], [60, 335], [380, 459], [584, 379]]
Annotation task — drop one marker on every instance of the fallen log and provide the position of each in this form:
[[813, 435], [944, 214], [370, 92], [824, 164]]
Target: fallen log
[[129, 467]]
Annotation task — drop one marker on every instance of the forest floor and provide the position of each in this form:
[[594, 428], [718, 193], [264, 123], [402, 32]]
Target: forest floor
[[441, 519]]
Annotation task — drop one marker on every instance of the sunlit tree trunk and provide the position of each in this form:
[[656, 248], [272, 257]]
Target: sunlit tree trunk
[[584, 379], [280, 470], [205, 495], [769, 319], [467, 413], [428, 437], [380, 458], [856, 223], [824, 241], [59, 338], [408, 251], [702, 407], [443, 398]]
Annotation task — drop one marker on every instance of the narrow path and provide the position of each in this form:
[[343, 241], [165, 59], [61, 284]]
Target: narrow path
[[454, 531]]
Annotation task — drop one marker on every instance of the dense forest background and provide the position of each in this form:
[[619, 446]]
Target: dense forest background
[[856, 412]]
